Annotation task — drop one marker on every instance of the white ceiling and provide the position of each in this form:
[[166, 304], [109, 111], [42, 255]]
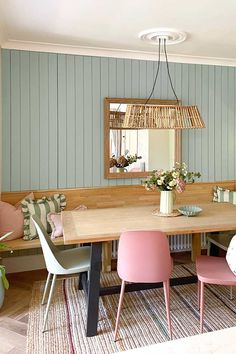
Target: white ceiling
[[113, 26]]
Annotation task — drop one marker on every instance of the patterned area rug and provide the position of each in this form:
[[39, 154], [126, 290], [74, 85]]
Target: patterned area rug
[[143, 319]]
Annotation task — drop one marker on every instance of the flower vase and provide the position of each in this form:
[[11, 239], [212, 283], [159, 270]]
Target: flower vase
[[166, 202], [121, 169]]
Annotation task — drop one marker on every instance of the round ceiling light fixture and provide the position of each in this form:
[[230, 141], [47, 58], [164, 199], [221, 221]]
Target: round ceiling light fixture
[[171, 35]]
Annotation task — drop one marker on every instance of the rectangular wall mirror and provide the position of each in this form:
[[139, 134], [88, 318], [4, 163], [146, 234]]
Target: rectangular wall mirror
[[131, 153]]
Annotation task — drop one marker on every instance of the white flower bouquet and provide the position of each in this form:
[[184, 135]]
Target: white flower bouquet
[[169, 180]]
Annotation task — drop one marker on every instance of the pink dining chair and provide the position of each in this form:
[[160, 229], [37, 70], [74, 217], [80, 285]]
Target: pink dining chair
[[144, 257], [212, 270]]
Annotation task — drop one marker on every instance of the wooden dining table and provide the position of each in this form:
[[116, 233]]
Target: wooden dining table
[[95, 226]]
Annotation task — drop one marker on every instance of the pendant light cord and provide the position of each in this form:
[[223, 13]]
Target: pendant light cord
[[168, 71], [158, 68]]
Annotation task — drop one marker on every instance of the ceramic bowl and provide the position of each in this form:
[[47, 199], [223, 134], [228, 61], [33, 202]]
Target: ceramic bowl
[[189, 210]]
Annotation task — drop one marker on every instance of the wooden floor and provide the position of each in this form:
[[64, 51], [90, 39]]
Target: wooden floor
[[14, 313]]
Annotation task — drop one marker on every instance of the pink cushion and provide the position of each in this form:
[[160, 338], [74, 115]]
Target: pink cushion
[[54, 220], [11, 219]]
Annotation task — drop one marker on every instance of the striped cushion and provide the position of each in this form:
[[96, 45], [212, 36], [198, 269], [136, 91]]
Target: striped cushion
[[40, 207], [224, 195]]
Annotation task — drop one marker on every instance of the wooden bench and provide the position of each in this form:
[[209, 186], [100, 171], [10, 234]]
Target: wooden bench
[[113, 196]]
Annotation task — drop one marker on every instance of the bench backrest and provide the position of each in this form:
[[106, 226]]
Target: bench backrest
[[117, 196]]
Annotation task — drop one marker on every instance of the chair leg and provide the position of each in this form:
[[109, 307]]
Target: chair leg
[[49, 301], [208, 248], [231, 292], [166, 286], [46, 288], [122, 290], [198, 295], [201, 305]]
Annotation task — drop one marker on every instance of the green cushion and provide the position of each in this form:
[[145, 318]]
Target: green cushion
[[224, 195], [40, 207]]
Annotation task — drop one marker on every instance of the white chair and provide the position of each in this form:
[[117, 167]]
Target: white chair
[[76, 260]]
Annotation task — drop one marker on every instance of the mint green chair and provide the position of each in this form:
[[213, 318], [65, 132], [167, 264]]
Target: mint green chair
[[71, 261]]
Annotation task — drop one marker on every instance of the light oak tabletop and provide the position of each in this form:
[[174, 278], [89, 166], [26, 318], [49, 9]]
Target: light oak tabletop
[[97, 225]]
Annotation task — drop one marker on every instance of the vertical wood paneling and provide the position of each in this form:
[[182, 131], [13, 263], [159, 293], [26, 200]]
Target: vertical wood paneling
[[25, 120], [104, 86], [190, 142], [62, 122], [164, 81], [142, 79], [231, 123], [128, 78], [53, 116], [218, 123], [234, 121], [197, 133], [6, 120], [224, 118], [79, 121], [135, 69], [97, 165], [178, 90], [43, 121], [52, 121], [88, 126], [211, 124], [112, 91], [186, 152], [170, 94], [204, 92], [34, 121], [15, 121], [70, 122], [157, 89], [120, 92]]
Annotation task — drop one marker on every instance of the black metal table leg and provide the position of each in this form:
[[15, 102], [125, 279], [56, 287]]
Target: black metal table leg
[[94, 289], [83, 279]]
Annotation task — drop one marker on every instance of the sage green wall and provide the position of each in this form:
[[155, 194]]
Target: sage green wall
[[0, 121], [53, 116]]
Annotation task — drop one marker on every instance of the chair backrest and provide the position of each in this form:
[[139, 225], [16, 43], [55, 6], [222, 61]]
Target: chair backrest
[[50, 251], [144, 256], [231, 255]]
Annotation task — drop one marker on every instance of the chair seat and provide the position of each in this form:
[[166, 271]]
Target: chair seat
[[214, 270], [74, 260]]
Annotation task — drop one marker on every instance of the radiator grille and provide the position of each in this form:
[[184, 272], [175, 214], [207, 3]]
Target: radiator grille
[[178, 243]]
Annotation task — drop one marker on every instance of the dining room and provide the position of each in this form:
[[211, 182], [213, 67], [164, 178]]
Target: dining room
[[117, 177]]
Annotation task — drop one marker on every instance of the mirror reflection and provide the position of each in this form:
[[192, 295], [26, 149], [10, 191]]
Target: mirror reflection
[[135, 152]]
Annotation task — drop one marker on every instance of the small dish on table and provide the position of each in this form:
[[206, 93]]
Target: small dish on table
[[189, 210]]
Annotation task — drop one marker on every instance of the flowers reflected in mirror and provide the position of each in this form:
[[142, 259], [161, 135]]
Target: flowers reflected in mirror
[[123, 160]]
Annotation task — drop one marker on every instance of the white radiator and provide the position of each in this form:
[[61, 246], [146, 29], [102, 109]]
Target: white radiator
[[178, 243]]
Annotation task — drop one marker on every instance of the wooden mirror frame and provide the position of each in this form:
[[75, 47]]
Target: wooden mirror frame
[[107, 101]]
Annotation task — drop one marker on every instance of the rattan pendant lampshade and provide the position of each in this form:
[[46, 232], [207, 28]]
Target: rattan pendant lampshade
[[149, 116]]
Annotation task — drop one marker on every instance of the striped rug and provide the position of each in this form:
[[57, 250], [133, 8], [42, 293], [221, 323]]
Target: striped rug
[[143, 319]]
